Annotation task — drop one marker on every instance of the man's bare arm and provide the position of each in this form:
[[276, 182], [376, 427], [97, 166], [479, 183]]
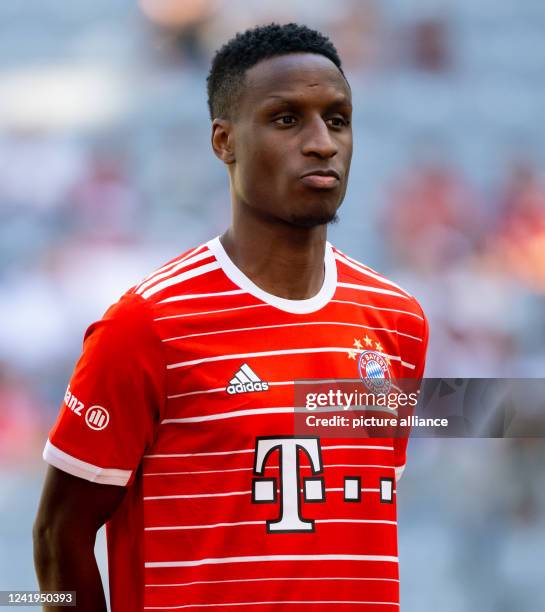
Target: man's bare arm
[[71, 512]]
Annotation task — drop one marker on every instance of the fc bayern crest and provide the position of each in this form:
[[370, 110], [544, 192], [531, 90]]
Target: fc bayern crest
[[374, 372]]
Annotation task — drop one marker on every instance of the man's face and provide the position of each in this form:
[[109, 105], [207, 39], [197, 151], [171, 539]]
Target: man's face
[[292, 139]]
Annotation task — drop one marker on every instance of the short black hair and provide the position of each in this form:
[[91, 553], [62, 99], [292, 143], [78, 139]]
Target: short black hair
[[246, 49]]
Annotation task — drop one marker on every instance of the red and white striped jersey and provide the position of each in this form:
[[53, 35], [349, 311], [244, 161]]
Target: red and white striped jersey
[[184, 394]]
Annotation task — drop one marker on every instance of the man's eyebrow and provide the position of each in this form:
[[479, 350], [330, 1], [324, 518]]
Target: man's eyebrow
[[341, 101], [279, 98]]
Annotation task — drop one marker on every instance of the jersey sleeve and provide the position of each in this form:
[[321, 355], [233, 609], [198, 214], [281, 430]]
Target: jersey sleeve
[[400, 443], [114, 400]]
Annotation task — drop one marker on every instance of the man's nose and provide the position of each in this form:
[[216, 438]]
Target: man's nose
[[318, 140]]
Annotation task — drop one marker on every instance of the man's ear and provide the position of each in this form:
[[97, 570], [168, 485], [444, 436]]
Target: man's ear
[[223, 140]]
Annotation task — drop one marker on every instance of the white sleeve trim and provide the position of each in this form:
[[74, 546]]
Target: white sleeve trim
[[399, 471], [65, 462]]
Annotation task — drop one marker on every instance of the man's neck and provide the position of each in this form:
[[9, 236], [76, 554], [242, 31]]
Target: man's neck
[[281, 259]]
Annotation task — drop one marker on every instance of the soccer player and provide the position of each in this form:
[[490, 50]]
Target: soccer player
[[177, 427]]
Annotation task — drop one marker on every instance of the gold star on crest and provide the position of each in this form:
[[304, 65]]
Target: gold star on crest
[[358, 344], [351, 354], [378, 346], [368, 341]]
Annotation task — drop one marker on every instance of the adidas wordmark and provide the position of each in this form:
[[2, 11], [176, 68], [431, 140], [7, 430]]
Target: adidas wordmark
[[246, 380]]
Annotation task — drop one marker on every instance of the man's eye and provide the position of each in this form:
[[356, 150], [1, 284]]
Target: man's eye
[[285, 120], [339, 121]]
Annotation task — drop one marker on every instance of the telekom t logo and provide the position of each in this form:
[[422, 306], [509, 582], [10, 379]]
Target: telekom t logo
[[264, 490]]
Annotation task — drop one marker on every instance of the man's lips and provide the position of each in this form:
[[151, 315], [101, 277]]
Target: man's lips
[[321, 179]]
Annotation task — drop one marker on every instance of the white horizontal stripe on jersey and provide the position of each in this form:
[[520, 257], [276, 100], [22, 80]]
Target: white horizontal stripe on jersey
[[211, 526], [370, 289], [207, 454], [357, 465], [244, 523], [199, 495], [357, 447], [181, 298], [371, 521], [257, 411], [337, 490], [246, 469], [188, 393], [195, 495], [180, 278], [269, 578], [170, 265], [355, 265], [262, 603], [302, 324], [373, 307], [271, 558], [229, 415], [176, 268], [207, 312], [271, 384], [252, 450], [82, 469], [405, 364], [301, 351]]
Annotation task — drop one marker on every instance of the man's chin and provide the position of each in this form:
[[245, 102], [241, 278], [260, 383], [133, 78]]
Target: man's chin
[[310, 221]]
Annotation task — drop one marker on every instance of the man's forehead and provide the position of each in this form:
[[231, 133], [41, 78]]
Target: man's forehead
[[285, 74]]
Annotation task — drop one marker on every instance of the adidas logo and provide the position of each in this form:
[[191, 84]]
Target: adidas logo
[[246, 380]]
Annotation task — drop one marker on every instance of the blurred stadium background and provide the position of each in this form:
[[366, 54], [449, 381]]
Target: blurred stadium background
[[106, 172]]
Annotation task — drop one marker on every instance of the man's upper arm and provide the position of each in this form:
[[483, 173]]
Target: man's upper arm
[[71, 501]]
